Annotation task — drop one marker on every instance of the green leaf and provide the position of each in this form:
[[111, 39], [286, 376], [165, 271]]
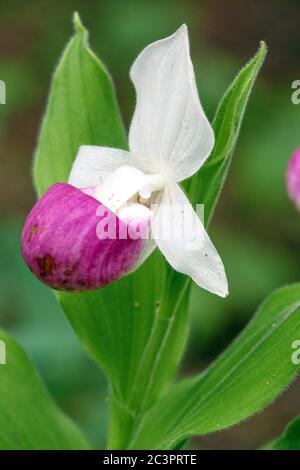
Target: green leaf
[[249, 375], [134, 329], [290, 438], [82, 109], [206, 186], [138, 347], [29, 419]]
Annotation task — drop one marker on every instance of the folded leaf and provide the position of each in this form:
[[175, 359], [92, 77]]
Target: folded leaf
[[249, 375], [29, 419]]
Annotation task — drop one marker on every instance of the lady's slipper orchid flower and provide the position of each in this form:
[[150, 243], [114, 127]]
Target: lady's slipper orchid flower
[[169, 140], [293, 178]]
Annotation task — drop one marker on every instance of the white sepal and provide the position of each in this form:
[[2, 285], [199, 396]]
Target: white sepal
[[169, 133]]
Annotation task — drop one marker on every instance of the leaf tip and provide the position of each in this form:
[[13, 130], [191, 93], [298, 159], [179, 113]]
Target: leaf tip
[[263, 48], [79, 28]]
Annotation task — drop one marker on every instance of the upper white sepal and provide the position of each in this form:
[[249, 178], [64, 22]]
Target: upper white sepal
[[169, 133]]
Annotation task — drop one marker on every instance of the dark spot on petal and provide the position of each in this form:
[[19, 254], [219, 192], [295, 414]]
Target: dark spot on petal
[[46, 265], [68, 272], [32, 231]]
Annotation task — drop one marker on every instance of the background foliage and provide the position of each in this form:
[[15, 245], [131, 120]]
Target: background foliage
[[255, 228]]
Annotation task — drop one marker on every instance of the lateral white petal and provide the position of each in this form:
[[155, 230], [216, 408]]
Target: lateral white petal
[[183, 240], [169, 133], [93, 165]]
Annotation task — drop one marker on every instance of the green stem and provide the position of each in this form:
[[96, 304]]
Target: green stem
[[169, 316], [154, 374], [120, 425]]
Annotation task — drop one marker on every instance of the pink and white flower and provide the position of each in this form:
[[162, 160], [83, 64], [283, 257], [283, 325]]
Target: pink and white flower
[[169, 140]]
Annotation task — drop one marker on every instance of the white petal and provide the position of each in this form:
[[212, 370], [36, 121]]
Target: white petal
[[183, 240], [94, 164], [169, 133]]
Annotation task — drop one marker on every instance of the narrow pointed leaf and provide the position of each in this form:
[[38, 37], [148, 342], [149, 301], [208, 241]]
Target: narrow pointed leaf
[[206, 186]]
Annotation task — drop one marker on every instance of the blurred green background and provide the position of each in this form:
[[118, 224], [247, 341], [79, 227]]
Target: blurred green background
[[255, 228]]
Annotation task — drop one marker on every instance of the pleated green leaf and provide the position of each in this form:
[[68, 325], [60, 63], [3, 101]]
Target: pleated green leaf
[[249, 375]]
